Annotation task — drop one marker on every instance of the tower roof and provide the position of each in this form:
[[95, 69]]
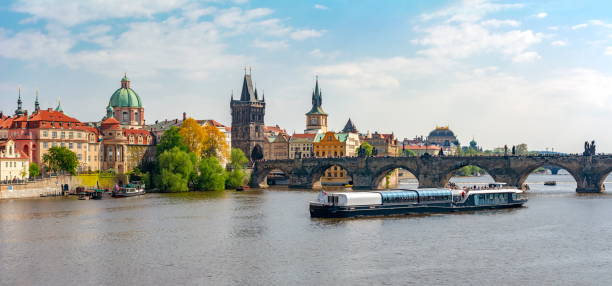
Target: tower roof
[[317, 101], [350, 127], [249, 93]]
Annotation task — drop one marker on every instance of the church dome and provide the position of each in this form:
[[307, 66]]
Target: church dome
[[441, 132], [125, 96]]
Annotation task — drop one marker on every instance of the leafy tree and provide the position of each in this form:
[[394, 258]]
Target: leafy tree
[[236, 176], [237, 159], [212, 175], [365, 150], [409, 153], [61, 159], [521, 149], [214, 143], [34, 170], [193, 136], [176, 168], [170, 139]]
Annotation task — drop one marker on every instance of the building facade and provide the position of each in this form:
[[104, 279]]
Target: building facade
[[277, 147], [384, 144], [14, 164], [126, 106], [301, 146], [248, 114]]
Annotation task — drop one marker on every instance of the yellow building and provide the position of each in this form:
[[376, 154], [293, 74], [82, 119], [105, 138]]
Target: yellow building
[[330, 145]]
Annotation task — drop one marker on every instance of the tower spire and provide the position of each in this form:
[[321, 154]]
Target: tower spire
[[59, 106], [19, 110], [36, 103]]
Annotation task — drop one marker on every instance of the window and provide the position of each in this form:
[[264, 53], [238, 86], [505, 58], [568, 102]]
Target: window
[[79, 135], [125, 117], [137, 116], [63, 134], [54, 134], [63, 144], [80, 157], [54, 144], [45, 133], [70, 146], [78, 145], [70, 135], [45, 144]]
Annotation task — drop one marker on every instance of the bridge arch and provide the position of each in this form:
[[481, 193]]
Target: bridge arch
[[258, 179], [524, 174], [318, 172], [383, 171], [602, 178], [450, 172]]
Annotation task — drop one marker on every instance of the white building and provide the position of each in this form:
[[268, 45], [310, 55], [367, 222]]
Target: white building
[[14, 164]]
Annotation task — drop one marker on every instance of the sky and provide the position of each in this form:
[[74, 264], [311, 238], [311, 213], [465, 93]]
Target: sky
[[502, 72]]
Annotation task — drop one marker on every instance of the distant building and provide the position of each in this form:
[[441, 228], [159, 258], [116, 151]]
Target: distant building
[[14, 164], [277, 147], [316, 118], [384, 144], [248, 121], [420, 150], [301, 146], [331, 144], [126, 106], [445, 138], [350, 127]]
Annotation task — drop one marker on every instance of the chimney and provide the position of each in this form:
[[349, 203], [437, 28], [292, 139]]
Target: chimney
[[184, 116]]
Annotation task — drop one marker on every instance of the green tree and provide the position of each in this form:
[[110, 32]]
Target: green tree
[[521, 149], [176, 168], [365, 150], [408, 153], [236, 176], [212, 175], [61, 159], [170, 139], [34, 170], [238, 160]]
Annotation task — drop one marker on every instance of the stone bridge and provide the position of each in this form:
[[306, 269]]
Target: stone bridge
[[367, 173]]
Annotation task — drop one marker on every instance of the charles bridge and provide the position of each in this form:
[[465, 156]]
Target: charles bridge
[[436, 171]]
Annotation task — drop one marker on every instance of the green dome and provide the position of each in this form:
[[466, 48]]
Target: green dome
[[125, 97]]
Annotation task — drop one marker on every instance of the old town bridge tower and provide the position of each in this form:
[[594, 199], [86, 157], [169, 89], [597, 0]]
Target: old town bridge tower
[[248, 121]]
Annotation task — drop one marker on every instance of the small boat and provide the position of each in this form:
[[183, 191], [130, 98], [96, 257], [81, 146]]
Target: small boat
[[242, 188], [130, 190], [550, 183], [414, 201], [348, 186], [84, 197]]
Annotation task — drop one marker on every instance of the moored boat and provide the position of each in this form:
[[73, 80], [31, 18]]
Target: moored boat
[[550, 183], [414, 201], [130, 190]]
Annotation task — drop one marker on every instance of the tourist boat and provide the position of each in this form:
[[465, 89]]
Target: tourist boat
[[550, 183], [130, 190], [409, 201]]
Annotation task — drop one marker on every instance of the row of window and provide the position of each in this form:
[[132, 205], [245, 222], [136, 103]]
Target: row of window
[[12, 164], [334, 154], [62, 134]]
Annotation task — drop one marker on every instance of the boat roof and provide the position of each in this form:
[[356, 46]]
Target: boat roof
[[494, 191]]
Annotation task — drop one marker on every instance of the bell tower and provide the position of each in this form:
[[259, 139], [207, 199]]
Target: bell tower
[[316, 118]]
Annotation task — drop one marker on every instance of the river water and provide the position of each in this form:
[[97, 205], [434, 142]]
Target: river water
[[267, 238]]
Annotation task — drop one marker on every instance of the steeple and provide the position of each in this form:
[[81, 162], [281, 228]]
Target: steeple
[[19, 110], [109, 112], [350, 127], [317, 100], [59, 106], [36, 103], [248, 91]]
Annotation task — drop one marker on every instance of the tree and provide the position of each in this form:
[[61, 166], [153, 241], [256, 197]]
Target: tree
[[34, 170], [236, 176], [214, 143], [170, 139], [193, 136], [409, 153], [521, 149], [176, 168], [212, 175], [61, 159], [365, 150]]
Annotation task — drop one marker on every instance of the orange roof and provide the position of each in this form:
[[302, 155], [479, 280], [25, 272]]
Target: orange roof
[[110, 121], [214, 122], [48, 115], [136, 131], [6, 122], [274, 129]]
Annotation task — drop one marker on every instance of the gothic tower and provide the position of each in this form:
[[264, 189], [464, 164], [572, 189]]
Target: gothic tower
[[316, 118], [248, 121]]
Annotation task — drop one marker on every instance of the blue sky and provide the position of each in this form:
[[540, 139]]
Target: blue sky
[[503, 72]]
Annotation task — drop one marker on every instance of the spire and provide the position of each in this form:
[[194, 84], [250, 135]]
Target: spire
[[248, 93], [36, 103], [109, 112], [19, 110], [59, 106], [263, 95], [125, 81], [232, 98], [317, 99]]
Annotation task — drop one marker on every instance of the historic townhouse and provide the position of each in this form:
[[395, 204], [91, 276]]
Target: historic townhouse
[[14, 164]]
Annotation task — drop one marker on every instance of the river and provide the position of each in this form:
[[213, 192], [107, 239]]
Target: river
[[266, 237]]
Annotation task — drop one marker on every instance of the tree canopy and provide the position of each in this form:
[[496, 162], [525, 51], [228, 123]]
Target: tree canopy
[[365, 150], [214, 143], [193, 135], [34, 170], [212, 175], [61, 159], [170, 139], [176, 168]]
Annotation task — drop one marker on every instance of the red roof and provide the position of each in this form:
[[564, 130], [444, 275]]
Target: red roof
[[110, 121], [49, 115], [136, 132], [6, 122], [276, 129]]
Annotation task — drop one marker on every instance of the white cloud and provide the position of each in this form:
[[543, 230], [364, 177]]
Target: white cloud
[[468, 11], [317, 53], [541, 15], [270, 45], [608, 51], [500, 23], [306, 34], [526, 57], [72, 12], [320, 7], [559, 43], [580, 26]]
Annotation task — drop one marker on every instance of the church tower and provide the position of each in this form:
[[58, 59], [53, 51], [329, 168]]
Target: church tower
[[316, 118], [248, 121]]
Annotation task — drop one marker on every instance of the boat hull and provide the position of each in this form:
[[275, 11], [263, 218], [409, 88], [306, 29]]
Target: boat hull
[[124, 195], [325, 211]]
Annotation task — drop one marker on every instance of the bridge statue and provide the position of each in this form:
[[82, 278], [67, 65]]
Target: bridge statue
[[436, 171]]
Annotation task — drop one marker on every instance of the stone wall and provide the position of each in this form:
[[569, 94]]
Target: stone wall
[[52, 185]]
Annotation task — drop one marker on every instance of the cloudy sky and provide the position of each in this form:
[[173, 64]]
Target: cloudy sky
[[503, 72]]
